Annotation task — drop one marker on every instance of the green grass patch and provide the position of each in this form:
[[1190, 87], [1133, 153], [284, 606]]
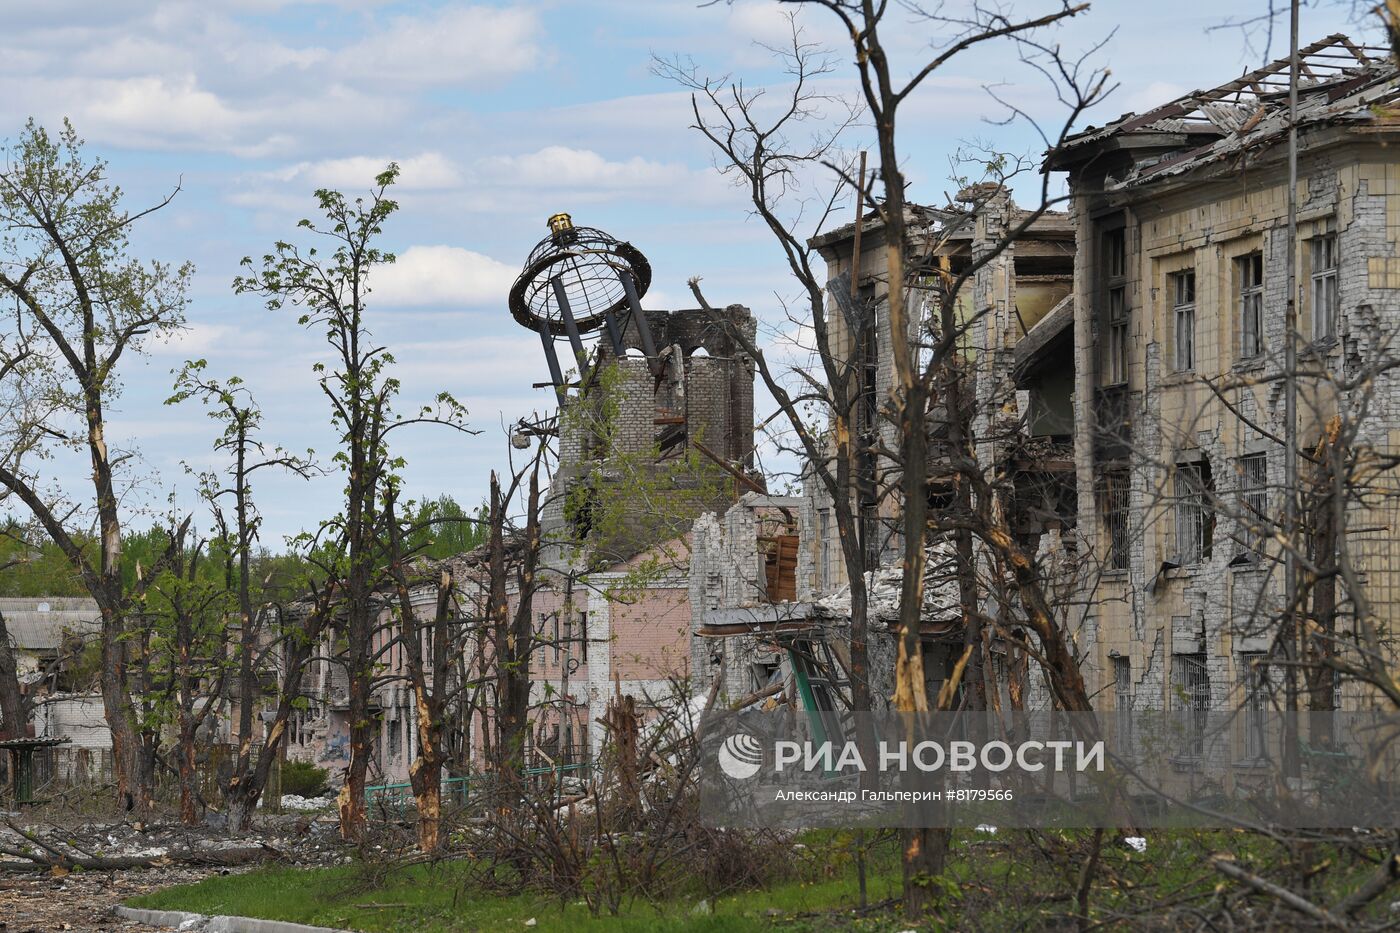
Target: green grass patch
[[435, 900], [1009, 880]]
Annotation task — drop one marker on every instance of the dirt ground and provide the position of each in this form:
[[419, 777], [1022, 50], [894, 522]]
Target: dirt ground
[[34, 900], [82, 901]]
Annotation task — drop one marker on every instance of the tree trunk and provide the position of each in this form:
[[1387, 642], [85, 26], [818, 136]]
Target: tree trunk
[[133, 796], [13, 719], [189, 774], [351, 801], [426, 777]]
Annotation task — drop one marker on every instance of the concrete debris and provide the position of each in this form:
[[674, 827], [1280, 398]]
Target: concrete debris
[[883, 587], [306, 804]]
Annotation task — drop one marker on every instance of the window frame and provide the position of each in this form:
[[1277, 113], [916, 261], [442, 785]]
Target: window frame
[[1123, 702], [1254, 678], [1249, 303], [1253, 501], [1324, 283], [1117, 316], [1115, 488], [1183, 295], [1194, 519], [1191, 677]]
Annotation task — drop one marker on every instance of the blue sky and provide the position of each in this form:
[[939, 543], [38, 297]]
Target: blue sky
[[500, 114]]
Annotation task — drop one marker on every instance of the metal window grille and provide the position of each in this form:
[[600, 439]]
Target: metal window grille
[[1193, 518], [1184, 313], [1254, 501], [1257, 698], [1325, 298], [1250, 271], [1192, 681], [1123, 702], [1113, 504]]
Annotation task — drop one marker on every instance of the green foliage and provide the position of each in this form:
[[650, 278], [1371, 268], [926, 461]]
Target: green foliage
[[440, 528], [77, 294], [1013, 880], [303, 779], [37, 566]]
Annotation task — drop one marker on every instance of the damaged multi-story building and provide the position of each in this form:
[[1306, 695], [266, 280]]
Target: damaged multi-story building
[[769, 581], [1126, 359], [660, 433], [1179, 328]]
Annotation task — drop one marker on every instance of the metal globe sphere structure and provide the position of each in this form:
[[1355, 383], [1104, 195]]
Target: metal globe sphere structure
[[577, 280], [590, 267]]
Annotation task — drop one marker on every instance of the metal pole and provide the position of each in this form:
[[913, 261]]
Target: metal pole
[[639, 317], [614, 335], [566, 313], [556, 375], [1290, 409]]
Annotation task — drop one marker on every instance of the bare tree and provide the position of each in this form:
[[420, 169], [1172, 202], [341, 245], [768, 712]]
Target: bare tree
[[231, 404], [333, 287], [931, 380]]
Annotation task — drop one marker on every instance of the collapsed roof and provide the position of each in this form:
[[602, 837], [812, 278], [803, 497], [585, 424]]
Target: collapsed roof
[[1341, 83]]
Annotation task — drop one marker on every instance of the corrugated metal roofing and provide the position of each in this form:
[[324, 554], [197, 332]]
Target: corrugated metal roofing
[[38, 624]]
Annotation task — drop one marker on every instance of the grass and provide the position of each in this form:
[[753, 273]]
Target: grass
[[432, 900], [1011, 880]]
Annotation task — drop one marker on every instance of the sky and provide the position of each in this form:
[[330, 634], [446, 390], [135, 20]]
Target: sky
[[499, 115]]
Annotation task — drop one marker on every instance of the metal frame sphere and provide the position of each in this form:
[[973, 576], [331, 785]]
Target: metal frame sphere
[[588, 263]]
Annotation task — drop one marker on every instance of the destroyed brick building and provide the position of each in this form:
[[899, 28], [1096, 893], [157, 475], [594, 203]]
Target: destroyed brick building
[[1179, 334], [770, 615], [654, 426], [654, 429], [1125, 356]]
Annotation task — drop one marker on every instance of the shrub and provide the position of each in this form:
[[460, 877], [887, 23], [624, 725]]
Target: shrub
[[303, 779]]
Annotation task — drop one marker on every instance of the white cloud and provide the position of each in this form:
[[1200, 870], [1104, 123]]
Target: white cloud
[[442, 275], [562, 167], [193, 340], [428, 171], [457, 45], [1153, 95]]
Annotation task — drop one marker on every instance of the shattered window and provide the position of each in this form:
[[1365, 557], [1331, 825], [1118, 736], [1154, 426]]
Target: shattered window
[[1184, 314], [1325, 300], [1115, 253], [1194, 522], [1115, 309], [1117, 336], [1249, 271]]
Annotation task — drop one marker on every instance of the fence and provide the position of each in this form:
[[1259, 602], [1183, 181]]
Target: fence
[[398, 798], [70, 770]]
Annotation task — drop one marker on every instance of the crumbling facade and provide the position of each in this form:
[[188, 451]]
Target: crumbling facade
[[645, 447], [1023, 417], [1179, 330], [1128, 403]]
